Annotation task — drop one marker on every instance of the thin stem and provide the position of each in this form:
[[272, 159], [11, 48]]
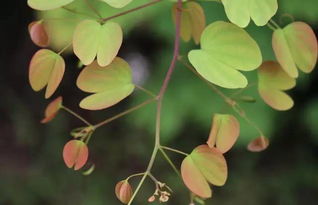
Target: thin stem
[[148, 92], [170, 161], [131, 10], [76, 115], [78, 13], [174, 150], [153, 178], [274, 23], [63, 49], [135, 175], [124, 113], [89, 5], [160, 97], [233, 104], [270, 26]]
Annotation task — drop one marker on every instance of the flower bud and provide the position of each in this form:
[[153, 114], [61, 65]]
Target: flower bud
[[123, 191]]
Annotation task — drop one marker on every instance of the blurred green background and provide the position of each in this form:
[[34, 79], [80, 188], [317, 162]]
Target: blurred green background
[[32, 170]]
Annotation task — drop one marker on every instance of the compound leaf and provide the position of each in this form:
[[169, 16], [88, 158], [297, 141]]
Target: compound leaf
[[240, 12], [225, 49], [92, 39], [110, 84]]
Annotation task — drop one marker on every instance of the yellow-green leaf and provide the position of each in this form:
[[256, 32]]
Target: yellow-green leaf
[[110, 84], [117, 3], [272, 82], [240, 12], [48, 4], [295, 46], [46, 69], [225, 49], [92, 39], [224, 132]]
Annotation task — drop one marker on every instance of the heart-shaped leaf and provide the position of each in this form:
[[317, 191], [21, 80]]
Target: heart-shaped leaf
[[225, 49], [92, 39], [224, 132], [240, 12], [117, 3], [52, 110], [46, 69], [48, 4], [75, 154], [272, 82], [110, 84], [295, 46], [259, 144], [38, 34], [192, 21], [123, 191], [203, 165]]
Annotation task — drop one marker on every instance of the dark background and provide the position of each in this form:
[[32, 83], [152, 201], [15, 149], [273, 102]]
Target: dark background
[[32, 170]]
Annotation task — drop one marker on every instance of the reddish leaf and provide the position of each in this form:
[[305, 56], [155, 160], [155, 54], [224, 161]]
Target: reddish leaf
[[38, 34], [123, 191], [52, 109], [193, 179], [75, 154], [259, 144]]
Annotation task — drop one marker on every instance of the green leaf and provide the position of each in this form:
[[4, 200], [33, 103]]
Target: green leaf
[[240, 12], [272, 82], [117, 3], [46, 69], [203, 165], [110, 84], [224, 132], [92, 39], [48, 4], [225, 49], [295, 46]]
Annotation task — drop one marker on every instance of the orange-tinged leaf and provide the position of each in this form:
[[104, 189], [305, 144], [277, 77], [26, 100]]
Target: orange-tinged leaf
[[224, 132], [46, 69], [259, 144], [197, 18], [272, 82], [109, 84], [91, 40], [211, 164], [295, 46], [123, 191], [192, 21], [193, 178], [75, 154], [38, 34], [52, 109]]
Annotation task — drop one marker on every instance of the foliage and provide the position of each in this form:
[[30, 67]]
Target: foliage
[[226, 49]]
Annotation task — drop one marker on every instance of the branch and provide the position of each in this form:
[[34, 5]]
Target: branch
[[131, 10], [160, 98]]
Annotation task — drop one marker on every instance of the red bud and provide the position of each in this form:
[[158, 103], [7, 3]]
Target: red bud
[[75, 154], [123, 191]]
